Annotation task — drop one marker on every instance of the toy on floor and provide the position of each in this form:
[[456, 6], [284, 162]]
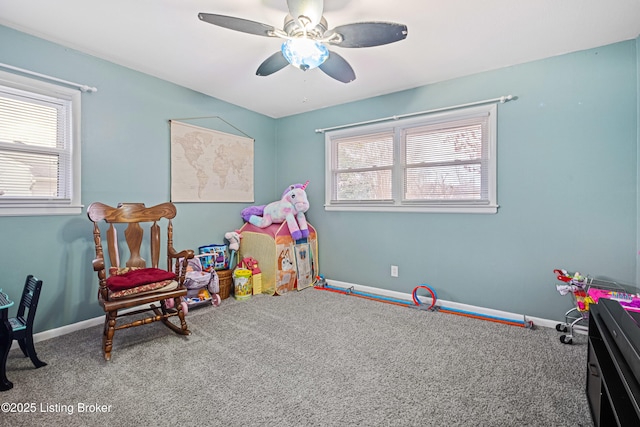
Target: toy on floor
[[170, 304], [256, 275], [233, 237], [251, 264], [585, 290], [213, 257], [289, 209], [203, 296], [321, 284], [419, 303], [201, 286], [274, 248], [242, 285]]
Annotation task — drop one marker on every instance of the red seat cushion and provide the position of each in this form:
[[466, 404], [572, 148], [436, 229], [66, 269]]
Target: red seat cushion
[[162, 286], [133, 278]]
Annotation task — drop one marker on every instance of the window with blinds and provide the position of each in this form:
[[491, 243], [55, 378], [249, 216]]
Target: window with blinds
[[37, 143], [441, 163], [364, 166]]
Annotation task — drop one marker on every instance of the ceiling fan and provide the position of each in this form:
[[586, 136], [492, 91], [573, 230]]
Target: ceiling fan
[[306, 35]]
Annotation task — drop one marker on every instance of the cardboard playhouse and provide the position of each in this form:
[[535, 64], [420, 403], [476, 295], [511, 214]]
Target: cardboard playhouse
[[285, 264]]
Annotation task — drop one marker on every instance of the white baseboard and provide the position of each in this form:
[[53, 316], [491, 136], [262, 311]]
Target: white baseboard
[[63, 330]]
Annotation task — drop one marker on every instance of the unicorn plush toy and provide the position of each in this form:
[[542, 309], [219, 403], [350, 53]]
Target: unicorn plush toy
[[290, 208]]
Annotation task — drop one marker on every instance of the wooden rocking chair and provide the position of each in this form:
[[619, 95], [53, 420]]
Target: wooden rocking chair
[[134, 283]]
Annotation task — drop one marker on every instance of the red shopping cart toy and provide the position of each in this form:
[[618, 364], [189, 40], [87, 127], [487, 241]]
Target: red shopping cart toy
[[582, 289]]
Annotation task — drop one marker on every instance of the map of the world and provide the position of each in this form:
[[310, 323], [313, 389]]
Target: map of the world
[[210, 166]]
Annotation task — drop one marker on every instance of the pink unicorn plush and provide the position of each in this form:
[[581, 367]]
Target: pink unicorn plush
[[290, 208]]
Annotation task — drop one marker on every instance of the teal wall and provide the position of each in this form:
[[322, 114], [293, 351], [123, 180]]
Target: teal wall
[[567, 182], [567, 188], [638, 162], [125, 157]]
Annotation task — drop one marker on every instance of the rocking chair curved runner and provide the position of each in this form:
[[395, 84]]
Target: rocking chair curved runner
[[134, 283]]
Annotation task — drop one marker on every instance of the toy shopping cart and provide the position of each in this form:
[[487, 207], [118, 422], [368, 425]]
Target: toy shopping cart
[[585, 290]]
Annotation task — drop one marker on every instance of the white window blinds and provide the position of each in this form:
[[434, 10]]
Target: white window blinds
[[446, 161], [363, 167], [35, 146], [443, 162]]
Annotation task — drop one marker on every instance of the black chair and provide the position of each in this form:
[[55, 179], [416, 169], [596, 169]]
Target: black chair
[[21, 325]]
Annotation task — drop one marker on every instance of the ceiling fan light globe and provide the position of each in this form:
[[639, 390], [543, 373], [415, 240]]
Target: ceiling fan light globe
[[305, 53]]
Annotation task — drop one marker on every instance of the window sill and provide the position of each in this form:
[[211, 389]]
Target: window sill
[[26, 210], [474, 209]]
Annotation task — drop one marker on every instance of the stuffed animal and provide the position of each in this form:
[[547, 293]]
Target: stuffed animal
[[233, 237], [290, 208]]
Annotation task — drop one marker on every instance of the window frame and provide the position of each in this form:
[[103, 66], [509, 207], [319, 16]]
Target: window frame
[[43, 206], [397, 204]]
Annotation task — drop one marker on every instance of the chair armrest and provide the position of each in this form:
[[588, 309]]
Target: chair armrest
[[175, 265], [98, 264], [187, 253]]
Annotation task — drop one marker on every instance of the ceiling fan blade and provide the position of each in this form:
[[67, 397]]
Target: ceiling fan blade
[[275, 62], [338, 68], [368, 34], [310, 9], [238, 24]]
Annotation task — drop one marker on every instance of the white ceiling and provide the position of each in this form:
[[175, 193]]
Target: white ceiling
[[447, 39]]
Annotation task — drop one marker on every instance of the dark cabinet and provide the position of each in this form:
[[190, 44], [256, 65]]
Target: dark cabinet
[[613, 365]]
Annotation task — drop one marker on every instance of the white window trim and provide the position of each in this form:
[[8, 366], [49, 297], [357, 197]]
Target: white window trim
[[398, 205], [74, 206]]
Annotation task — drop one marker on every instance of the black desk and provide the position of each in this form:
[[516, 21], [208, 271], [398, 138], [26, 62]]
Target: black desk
[[5, 343], [613, 365]]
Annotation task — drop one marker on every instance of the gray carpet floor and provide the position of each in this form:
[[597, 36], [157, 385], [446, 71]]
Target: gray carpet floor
[[309, 358]]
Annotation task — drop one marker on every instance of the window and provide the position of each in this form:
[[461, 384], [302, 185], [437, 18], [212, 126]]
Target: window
[[442, 162], [39, 147]]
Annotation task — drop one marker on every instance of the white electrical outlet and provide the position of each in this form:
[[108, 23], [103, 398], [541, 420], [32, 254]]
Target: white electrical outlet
[[394, 271]]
